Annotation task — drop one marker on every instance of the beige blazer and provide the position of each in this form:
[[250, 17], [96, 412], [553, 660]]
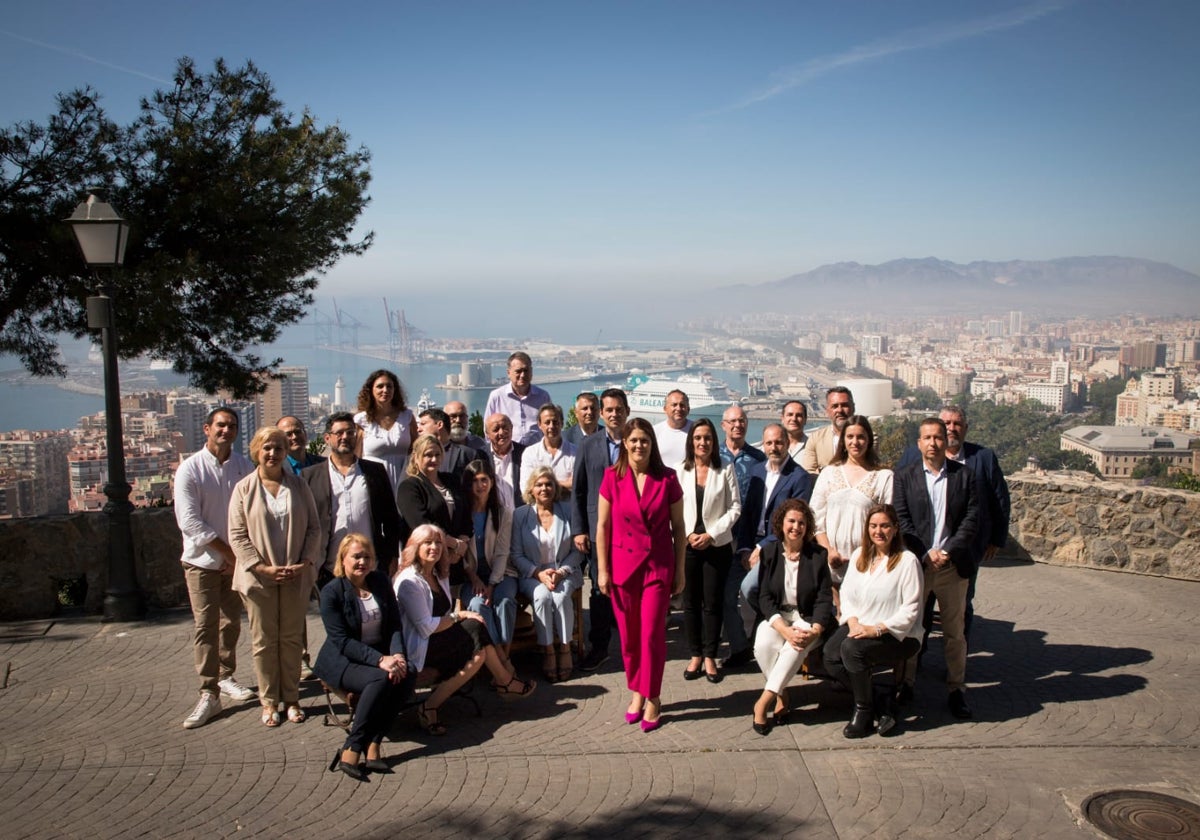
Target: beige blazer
[[495, 547], [250, 538], [722, 502], [819, 449]]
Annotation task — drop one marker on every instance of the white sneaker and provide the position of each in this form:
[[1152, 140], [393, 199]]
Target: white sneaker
[[208, 707], [232, 688]]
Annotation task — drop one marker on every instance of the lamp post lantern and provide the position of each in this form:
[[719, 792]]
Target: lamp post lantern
[[102, 235]]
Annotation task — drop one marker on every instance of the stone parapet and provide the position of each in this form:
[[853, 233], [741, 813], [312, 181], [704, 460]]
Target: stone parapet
[[1071, 519], [40, 555]]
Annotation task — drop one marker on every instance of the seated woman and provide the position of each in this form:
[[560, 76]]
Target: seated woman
[[431, 497], [795, 593], [455, 644], [881, 616], [549, 569], [363, 653], [492, 577]]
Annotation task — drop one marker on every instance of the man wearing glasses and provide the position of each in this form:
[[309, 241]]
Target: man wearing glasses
[[519, 400]]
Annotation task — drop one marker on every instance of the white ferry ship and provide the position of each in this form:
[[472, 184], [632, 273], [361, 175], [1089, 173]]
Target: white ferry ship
[[706, 394]]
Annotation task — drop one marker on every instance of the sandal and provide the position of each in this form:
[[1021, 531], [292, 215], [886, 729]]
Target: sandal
[[427, 717], [270, 717], [295, 714], [507, 690]]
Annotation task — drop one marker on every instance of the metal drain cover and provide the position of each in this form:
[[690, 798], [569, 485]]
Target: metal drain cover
[[1142, 815]]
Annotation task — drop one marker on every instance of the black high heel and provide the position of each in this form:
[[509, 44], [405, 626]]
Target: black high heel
[[352, 770]]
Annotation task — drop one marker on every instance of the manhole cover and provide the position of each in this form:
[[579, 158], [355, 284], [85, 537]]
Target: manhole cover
[[1142, 815]]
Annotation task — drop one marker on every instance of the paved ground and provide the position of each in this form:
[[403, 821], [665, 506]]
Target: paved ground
[[1081, 681]]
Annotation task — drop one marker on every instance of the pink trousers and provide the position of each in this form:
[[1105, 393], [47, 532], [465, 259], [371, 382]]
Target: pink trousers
[[640, 608]]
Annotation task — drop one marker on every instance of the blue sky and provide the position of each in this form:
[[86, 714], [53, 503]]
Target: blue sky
[[670, 145]]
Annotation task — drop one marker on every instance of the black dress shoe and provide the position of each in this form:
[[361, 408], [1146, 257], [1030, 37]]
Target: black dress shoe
[[594, 660], [377, 765], [354, 771], [860, 723], [689, 674], [958, 705], [714, 678], [762, 728], [738, 660], [904, 694]]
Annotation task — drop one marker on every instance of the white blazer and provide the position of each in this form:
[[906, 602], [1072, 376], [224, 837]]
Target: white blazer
[[722, 502], [416, 612]]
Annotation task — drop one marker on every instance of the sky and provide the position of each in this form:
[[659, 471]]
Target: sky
[[648, 147]]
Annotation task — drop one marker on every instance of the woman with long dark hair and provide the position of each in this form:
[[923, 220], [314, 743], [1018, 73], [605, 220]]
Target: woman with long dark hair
[[388, 426], [640, 562], [711, 507], [881, 617], [491, 574]]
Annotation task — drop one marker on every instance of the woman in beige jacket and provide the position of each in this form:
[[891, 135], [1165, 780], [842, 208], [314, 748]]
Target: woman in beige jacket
[[276, 538]]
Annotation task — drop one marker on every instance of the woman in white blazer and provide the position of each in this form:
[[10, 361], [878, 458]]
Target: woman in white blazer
[[549, 568], [711, 507]]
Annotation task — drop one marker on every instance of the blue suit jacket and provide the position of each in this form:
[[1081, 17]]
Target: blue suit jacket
[[995, 507], [794, 483], [590, 463], [526, 549], [343, 627]]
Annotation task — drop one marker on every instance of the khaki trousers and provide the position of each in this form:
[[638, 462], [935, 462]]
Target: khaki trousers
[[950, 590], [217, 611], [277, 614]]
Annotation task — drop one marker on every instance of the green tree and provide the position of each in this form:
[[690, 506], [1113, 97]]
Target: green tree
[[475, 423], [835, 366], [236, 205], [571, 420], [924, 398]]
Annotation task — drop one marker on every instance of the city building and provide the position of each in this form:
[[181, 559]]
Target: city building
[[1117, 450], [285, 396], [33, 472]]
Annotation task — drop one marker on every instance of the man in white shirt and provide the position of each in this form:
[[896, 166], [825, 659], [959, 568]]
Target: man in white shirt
[[793, 419], [672, 432], [203, 486], [506, 459], [551, 451], [519, 400]]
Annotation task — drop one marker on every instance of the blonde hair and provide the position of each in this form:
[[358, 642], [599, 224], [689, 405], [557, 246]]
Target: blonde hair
[[419, 535], [262, 436], [533, 479], [339, 569], [418, 450]]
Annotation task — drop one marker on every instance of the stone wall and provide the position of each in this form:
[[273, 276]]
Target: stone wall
[[1071, 519], [38, 554]]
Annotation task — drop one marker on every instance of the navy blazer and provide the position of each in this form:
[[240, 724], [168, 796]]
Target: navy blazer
[[574, 434], [794, 483], [814, 586], [343, 627], [518, 449], [421, 503], [995, 506], [385, 518], [911, 498], [590, 463]]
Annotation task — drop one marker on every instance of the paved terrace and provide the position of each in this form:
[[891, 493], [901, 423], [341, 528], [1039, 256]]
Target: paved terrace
[[1080, 680]]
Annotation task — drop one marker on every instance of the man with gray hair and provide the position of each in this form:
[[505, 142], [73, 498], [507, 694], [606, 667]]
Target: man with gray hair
[[519, 400], [822, 444]]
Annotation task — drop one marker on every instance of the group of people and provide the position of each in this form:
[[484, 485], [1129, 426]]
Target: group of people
[[804, 543]]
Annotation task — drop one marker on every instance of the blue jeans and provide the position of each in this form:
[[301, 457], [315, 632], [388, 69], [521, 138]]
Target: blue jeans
[[500, 617]]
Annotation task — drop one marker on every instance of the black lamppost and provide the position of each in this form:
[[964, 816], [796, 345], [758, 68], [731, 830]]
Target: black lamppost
[[102, 235]]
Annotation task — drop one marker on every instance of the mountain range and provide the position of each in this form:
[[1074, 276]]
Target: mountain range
[[1070, 286]]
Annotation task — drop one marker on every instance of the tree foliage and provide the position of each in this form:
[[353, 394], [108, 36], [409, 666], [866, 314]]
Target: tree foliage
[[236, 205]]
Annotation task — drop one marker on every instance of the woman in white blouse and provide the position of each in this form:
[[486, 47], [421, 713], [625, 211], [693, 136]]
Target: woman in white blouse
[[276, 539], [881, 617], [711, 507], [549, 569], [387, 423], [845, 490]]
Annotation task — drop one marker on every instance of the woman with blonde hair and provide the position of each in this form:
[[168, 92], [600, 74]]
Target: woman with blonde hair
[[363, 653], [276, 540], [455, 643]]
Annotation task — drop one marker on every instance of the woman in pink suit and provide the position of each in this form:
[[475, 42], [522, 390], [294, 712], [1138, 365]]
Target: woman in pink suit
[[640, 545]]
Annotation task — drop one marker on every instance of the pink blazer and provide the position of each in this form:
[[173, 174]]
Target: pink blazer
[[640, 530]]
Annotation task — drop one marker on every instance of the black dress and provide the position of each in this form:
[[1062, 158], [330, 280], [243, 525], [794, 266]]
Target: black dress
[[451, 649]]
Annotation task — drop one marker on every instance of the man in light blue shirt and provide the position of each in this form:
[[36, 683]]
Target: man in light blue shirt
[[519, 400]]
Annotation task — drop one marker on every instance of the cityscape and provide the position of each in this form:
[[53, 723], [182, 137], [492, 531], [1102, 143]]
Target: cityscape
[[894, 366]]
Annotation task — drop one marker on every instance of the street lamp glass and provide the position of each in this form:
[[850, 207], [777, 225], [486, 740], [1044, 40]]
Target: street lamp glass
[[101, 231]]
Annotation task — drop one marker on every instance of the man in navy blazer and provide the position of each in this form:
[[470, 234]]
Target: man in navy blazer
[[787, 480], [596, 454], [937, 503], [341, 435], [994, 504]]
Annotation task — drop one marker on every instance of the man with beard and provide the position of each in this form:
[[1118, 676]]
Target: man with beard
[[822, 444], [459, 431]]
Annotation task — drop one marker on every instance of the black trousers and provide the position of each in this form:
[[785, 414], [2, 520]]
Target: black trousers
[[379, 701], [600, 610], [705, 573], [845, 656]]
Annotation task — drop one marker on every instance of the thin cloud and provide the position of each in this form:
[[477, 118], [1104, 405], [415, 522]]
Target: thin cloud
[[85, 57], [919, 38]]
